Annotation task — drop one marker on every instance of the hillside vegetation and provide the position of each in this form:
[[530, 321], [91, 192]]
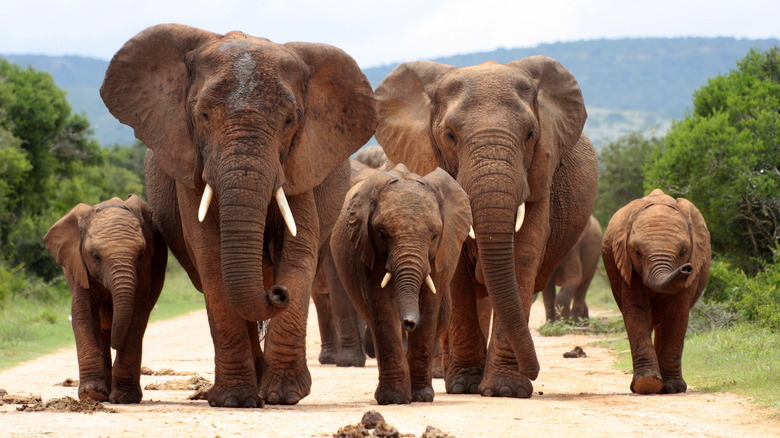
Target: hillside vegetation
[[629, 84]]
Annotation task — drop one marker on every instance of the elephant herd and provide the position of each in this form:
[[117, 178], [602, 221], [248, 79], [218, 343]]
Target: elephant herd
[[250, 186]]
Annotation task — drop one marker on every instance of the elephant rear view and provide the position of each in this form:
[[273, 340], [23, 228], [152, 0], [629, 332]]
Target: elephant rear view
[[657, 254], [246, 168], [114, 262]]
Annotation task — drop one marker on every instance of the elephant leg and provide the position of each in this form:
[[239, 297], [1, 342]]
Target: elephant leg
[[235, 381], [669, 341], [328, 338], [579, 308], [637, 317], [422, 342], [465, 358], [548, 294], [91, 349], [286, 377], [394, 381], [348, 323], [564, 299], [502, 373], [126, 375]]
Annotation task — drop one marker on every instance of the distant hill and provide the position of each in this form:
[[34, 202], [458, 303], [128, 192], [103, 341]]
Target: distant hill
[[628, 84]]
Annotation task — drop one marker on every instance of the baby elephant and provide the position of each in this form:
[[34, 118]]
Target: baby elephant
[[656, 252], [114, 262], [396, 245]]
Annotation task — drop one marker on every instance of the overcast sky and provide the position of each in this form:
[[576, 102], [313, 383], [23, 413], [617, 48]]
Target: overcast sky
[[379, 32]]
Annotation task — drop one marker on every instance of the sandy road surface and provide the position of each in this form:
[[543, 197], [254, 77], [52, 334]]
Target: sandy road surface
[[580, 397]]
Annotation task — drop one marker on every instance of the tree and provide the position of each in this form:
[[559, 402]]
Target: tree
[[621, 179], [725, 158]]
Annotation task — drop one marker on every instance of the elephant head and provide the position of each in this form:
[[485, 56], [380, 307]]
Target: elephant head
[[664, 240], [502, 131], [244, 120], [410, 227], [104, 247]]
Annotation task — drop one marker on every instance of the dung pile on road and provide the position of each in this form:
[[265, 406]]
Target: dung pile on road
[[67, 404], [373, 420]]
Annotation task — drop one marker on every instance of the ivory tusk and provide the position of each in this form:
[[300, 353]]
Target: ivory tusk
[[429, 282], [386, 279], [205, 201], [471, 232], [281, 200], [520, 217]]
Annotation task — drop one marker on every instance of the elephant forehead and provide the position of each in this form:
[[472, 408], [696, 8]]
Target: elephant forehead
[[488, 80], [115, 224], [408, 204], [660, 220]]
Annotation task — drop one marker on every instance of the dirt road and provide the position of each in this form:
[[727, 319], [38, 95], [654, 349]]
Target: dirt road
[[583, 397]]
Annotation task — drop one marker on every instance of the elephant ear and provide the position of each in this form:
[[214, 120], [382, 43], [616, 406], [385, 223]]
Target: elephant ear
[[144, 214], [456, 217], [361, 203], [146, 86], [701, 251], [561, 114], [63, 240], [618, 232], [340, 116], [404, 106]]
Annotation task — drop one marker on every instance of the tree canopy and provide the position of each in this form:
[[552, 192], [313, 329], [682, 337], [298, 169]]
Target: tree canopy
[[724, 157]]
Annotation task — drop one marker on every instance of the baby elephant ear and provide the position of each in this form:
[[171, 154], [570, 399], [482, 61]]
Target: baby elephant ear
[[456, 217], [144, 213], [616, 237], [700, 235], [63, 240]]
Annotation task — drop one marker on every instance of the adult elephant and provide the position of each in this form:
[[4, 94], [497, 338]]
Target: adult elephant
[[574, 275], [245, 121], [512, 136]]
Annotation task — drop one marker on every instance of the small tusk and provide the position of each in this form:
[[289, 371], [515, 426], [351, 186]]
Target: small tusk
[[205, 201], [429, 282], [471, 232], [520, 217], [281, 200], [386, 279]]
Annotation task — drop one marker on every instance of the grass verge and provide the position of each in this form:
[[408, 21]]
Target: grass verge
[[31, 328]]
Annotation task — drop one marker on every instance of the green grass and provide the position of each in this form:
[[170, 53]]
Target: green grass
[[31, 328]]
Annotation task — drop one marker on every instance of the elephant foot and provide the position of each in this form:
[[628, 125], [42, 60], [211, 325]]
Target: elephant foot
[[243, 396], [437, 372], [286, 386], [93, 389], [512, 384], [423, 394], [646, 382], [327, 356], [674, 386], [351, 357], [387, 395], [464, 381], [120, 395]]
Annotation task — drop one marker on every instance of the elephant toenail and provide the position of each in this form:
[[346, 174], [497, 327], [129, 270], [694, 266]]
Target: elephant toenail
[[231, 402], [457, 388], [213, 402], [274, 398], [474, 388], [505, 391], [293, 397], [487, 393], [250, 403]]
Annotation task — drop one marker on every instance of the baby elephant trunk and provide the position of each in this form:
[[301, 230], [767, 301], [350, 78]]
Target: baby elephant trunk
[[672, 282]]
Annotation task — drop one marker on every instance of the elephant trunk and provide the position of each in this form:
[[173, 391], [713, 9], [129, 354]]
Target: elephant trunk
[[669, 281], [123, 283], [496, 192], [244, 193], [408, 273]]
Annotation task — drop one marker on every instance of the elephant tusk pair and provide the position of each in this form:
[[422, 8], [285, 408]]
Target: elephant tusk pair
[[281, 200], [518, 221], [428, 281]]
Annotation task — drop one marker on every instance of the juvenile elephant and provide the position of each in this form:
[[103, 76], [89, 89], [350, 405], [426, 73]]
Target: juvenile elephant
[[114, 262], [573, 275], [512, 137], [265, 131], [396, 244], [657, 255]]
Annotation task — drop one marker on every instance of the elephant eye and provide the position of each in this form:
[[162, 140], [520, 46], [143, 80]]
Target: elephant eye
[[450, 135], [683, 252], [530, 135], [382, 234], [204, 114], [638, 253], [290, 119], [96, 257], [435, 235], [141, 255]]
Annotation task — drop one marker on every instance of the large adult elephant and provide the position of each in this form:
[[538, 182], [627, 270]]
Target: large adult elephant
[[512, 137], [245, 121]]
